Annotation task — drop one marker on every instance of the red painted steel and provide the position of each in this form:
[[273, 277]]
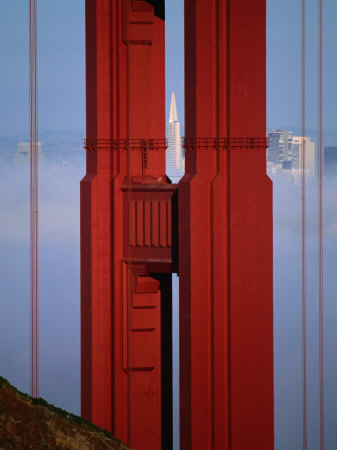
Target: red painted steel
[[34, 186], [320, 229], [121, 301], [129, 236], [225, 232], [303, 231]]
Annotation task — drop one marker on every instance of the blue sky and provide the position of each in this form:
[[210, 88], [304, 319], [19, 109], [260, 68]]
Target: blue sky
[[284, 59], [62, 108], [61, 59], [61, 63]]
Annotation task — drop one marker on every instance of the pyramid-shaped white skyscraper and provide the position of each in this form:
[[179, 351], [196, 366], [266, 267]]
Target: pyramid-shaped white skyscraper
[[174, 153]]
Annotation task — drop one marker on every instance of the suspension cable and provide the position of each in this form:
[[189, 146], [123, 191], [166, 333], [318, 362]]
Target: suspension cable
[[34, 278], [320, 227], [303, 226]]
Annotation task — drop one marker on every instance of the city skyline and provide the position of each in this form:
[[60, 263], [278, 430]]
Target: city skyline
[[22, 153], [284, 155]]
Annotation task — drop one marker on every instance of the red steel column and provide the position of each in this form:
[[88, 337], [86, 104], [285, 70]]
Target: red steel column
[[96, 313], [125, 89], [225, 226]]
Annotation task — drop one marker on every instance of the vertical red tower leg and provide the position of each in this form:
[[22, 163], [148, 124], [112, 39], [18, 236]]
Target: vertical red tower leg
[[120, 300], [225, 226]]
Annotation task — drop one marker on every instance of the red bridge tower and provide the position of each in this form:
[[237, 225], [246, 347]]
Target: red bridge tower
[[214, 229]]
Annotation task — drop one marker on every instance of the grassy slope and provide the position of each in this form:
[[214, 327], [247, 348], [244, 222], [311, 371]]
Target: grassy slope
[[31, 423]]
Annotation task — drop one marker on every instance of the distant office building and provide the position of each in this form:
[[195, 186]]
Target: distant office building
[[330, 161], [22, 153], [297, 146], [174, 154], [279, 150], [284, 155]]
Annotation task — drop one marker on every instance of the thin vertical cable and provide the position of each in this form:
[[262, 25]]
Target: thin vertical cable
[[303, 224], [320, 227], [34, 278]]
